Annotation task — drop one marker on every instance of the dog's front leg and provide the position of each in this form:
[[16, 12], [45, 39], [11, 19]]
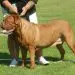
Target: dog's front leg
[[24, 55], [32, 56]]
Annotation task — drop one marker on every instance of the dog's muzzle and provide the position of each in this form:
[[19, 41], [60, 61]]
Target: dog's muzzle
[[6, 32]]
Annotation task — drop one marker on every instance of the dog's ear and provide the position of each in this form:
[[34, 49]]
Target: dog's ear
[[16, 18]]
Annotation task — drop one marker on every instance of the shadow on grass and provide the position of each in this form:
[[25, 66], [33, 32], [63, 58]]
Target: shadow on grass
[[54, 59], [5, 58]]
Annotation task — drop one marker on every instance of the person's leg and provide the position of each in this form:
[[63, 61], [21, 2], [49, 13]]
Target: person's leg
[[12, 44], [41, 59], [13, 49], [39, 56]]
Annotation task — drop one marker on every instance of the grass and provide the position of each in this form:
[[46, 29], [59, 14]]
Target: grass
[[46, 11]]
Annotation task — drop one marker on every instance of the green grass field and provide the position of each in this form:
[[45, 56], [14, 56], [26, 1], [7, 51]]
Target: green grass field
[[47, 10]]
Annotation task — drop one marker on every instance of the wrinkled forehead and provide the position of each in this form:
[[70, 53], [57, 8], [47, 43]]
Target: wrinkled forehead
[[8, 19]]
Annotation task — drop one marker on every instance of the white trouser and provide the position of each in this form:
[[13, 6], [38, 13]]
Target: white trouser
[[33, 18]]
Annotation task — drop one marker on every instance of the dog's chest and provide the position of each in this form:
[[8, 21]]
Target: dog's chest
[[28, 36]]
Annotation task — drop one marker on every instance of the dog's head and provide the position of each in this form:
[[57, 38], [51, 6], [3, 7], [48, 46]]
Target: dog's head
[[10, 22]]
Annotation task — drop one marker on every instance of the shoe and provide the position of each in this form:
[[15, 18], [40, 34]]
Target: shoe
[[43, 61], [14, 62]]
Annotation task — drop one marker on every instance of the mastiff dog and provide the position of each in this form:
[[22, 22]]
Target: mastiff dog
[[38, 36]]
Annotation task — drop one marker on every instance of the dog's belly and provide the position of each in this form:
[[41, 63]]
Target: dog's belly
[[45, 42]]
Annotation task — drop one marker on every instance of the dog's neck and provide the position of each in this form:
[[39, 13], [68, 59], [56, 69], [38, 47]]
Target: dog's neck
[[25, 22]]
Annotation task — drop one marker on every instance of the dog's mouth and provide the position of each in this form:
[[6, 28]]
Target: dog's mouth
[[7, 31]]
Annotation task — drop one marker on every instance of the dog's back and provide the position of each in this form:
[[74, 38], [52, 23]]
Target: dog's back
[[49, 33]]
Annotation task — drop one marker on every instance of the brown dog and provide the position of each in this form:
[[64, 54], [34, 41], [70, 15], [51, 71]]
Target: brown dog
[[39, 36]]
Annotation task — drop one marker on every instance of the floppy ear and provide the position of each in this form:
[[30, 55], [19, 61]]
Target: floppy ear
[[16, 18]]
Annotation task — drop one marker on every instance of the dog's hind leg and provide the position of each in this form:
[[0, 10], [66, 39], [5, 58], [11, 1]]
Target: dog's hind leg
[[61, 50], [71, 44], [69, 40]]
